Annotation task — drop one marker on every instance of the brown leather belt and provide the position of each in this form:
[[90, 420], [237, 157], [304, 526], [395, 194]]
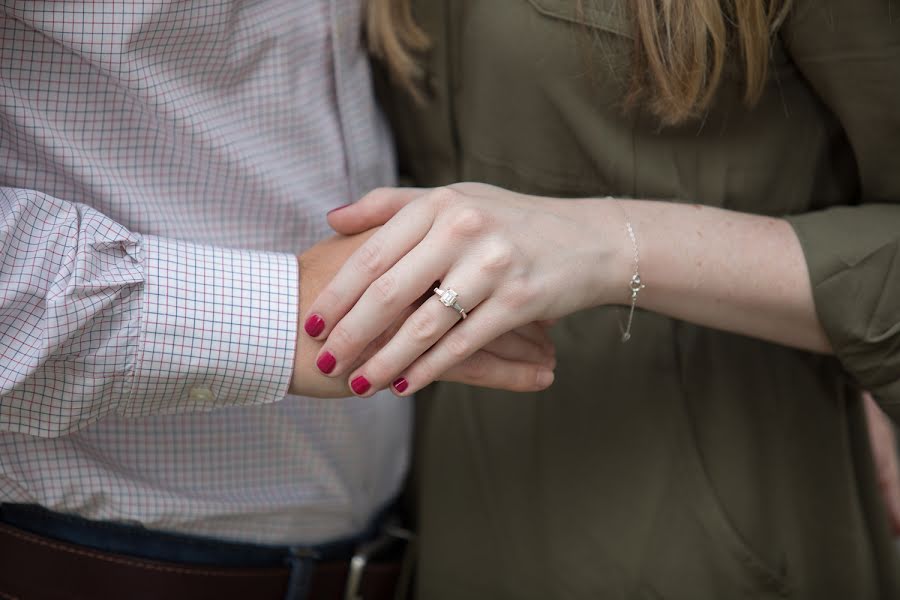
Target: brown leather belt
[[33, 567]]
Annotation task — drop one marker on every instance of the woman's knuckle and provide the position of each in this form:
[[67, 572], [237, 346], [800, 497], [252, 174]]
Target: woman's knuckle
[[422, 328], [497, 258], [458, 347], [518, 295], [384, 289], [468, 222], [368, 261], [444, 197], [341, 338], [468, 188]]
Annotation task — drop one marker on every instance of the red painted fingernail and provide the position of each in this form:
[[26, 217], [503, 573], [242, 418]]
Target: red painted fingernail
[[326, 362], [401, 384], [314, 325], [336, 209], [360, 385]]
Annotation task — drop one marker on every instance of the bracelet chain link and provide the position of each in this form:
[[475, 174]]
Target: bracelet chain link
[[636, 284]]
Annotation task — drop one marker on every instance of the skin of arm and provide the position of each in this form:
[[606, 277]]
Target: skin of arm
[[717, 268]]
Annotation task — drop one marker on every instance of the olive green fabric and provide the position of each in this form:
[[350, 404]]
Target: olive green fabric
[[687, 463]]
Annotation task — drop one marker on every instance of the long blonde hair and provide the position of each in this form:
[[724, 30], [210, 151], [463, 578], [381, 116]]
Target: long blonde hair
[[679, 53]]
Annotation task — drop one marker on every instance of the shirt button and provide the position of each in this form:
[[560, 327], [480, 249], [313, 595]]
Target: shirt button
[[201, 393]]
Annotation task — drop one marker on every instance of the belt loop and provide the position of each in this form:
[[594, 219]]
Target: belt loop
[[300, 561]]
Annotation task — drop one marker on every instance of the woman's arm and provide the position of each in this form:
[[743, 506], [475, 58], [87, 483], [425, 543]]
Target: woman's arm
[[717, 268], [515, 259]]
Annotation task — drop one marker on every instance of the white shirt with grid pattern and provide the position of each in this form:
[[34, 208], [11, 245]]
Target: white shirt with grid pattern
[[161, 164]]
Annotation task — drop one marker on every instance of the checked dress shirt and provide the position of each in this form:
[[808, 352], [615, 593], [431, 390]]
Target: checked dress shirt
[[161, 164]]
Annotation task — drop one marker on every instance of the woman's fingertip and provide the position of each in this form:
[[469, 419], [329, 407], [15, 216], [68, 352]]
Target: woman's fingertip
[[360, 385], [544, 378], [326, 362], [314, 325], [400, 384]]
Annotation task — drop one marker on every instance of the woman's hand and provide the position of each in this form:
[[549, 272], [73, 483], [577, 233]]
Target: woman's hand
[[513, 361], [513, 259], [887, 466]]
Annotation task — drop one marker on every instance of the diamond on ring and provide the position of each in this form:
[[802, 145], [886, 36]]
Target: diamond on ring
[[448, 298]]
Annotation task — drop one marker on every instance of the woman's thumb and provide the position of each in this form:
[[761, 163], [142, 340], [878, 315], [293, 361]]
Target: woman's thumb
[[372, 210]]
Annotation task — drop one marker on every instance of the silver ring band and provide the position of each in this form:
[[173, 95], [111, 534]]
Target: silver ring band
[[448, 298]]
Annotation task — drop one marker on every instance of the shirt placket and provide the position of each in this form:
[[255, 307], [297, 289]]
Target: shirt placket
[[345, 32]]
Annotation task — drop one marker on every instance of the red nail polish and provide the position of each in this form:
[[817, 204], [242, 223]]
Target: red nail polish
[[401, 384], [336, 209], [326, 362], [314, 325], [360, 385]]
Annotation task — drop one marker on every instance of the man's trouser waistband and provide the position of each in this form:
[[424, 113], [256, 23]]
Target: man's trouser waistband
[[36, 567]]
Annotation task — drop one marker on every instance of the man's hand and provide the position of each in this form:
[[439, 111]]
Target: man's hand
[[513, 361], [317, 265]]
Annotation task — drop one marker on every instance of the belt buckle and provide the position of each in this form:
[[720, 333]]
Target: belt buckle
[[390, 536]]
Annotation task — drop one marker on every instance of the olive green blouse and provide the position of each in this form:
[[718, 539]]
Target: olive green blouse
[[688, 463]]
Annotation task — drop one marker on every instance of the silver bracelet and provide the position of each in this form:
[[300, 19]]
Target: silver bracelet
[[635, 285]]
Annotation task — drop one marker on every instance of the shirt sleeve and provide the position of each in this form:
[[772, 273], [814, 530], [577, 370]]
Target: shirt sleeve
[[97, 320], [849, 52]]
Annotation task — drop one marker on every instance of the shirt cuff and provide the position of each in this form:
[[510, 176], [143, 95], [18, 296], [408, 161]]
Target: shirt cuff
[[218, 328], [853, 257]]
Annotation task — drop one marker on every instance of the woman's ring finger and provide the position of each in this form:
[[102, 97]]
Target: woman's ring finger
[[448, 298]]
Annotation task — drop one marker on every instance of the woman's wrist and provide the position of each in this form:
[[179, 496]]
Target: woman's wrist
[[608, 248]]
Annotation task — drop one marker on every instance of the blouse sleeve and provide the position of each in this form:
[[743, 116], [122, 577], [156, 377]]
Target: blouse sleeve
[[849, 52]]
